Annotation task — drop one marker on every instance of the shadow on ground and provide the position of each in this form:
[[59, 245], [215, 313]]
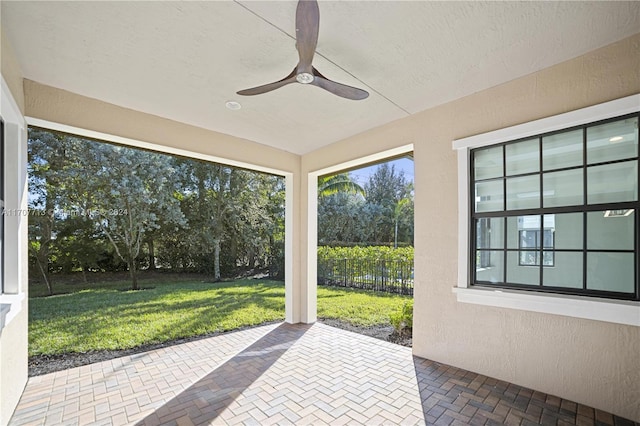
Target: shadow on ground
[[203, 401]]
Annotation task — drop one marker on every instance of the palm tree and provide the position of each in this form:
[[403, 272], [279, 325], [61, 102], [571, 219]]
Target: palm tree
[[329, 185]]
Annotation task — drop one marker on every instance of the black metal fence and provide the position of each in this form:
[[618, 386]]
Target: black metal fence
[[391, 276]]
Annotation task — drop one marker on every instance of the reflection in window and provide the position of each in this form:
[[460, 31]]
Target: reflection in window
[[531, 239]]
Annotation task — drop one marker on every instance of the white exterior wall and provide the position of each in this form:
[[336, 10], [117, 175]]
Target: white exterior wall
[[13, 301]]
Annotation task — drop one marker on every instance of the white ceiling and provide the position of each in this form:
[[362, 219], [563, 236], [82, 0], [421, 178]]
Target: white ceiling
[[184, 60]]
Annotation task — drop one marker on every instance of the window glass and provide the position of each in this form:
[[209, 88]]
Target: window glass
[[612, 183], [518, 272], [490, 233], [487, 163], [563, 188], [489, 196], [567, 230], [612, 141], [483, 259], [562, 150], [610, 271], [529, 258], [516, 224], [529, 238], [611, 230], [523, 192], [494, 271], [566, 272], [530, 242], [522, 157]]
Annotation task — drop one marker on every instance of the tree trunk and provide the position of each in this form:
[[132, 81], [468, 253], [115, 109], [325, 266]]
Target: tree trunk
[[133, 274], [45, 243], [152, 254], [45, 276], [216, 260]]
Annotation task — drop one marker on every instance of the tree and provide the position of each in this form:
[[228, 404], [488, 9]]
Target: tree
[[392, 193], [340, 218], [131, 189], [339, 199], [329, 185], [52, 177], [100, 206], [397, 213], [386, 184], [207, 199], [385, 216]]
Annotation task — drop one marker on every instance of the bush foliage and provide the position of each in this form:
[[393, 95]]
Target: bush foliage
[[402, 319], [373, 253]]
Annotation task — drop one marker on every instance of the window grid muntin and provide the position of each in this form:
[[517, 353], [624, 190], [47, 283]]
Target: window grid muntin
[[582, 208]]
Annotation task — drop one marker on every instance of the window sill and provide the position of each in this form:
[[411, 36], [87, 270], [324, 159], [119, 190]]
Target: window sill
[[615, 311], [10, 306]]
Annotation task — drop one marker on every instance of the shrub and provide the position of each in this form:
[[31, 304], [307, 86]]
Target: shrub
[[366, 253], [402, 319], [375, 268]]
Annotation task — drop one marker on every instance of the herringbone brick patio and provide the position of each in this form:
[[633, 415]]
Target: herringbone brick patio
[[287, 374]]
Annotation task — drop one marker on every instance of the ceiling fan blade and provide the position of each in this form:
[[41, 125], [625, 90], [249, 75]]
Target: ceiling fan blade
[[338, 89], [291, 78], [307, 27]]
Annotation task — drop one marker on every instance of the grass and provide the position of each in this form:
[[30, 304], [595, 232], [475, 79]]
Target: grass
[[358, 307], [104, 316]]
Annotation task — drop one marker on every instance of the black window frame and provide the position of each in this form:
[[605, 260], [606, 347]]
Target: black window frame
[[584, 208]]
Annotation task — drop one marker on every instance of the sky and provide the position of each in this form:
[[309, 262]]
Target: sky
[[361, 176]]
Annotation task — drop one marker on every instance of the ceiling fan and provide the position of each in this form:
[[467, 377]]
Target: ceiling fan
[[307, 25]]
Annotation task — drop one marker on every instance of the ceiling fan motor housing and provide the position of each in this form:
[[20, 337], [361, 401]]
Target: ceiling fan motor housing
[[305, 78]]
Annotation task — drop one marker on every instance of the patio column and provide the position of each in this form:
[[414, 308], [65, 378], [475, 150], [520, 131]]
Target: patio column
[[301, 291]]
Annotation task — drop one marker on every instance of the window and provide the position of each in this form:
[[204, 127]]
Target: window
[[558, 212]]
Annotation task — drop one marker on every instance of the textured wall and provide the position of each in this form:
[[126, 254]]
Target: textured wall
[[13, 363], [595, 363], [11, 71], [13, 337]]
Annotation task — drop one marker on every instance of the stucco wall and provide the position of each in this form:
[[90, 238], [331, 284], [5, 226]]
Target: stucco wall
[[595, 363], [13, 363], [13, 337], [11, 71]]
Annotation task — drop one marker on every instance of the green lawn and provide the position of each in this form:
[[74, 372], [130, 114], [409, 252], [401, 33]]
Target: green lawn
[[105, 317], [358, 307]]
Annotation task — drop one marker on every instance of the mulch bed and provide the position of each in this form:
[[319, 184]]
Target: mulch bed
[[44, 364]]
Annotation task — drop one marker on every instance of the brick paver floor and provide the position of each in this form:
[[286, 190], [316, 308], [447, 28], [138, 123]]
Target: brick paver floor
[[287, 374]]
